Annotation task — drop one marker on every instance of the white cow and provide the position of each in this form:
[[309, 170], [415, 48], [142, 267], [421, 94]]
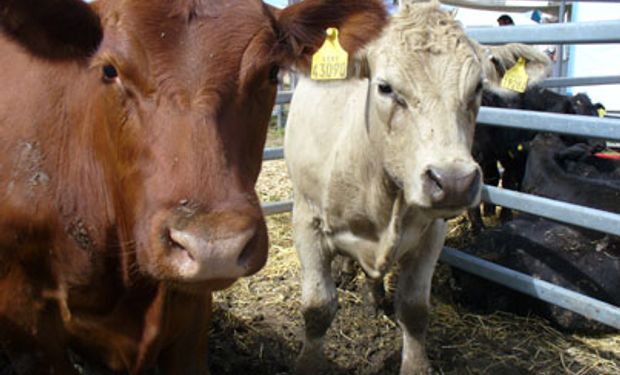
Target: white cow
[[379, 162]]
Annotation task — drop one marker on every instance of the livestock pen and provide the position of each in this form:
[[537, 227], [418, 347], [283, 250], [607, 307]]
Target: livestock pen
[[258, 321]]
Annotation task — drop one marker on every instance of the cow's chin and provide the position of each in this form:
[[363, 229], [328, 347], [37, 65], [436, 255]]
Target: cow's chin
[[178, 268], [446, 213], [201, 287], [415, 197], [179, 257]]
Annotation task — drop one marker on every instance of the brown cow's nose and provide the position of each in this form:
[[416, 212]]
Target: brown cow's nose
[[225, 245], [451, 188]]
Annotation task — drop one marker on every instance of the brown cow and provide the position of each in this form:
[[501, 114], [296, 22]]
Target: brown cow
[[127, 177]]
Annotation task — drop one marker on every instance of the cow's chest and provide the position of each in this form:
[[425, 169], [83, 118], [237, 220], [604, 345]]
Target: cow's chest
[[376, 249]]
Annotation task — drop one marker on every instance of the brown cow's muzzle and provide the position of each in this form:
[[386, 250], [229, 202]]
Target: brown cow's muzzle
[[198, 246]]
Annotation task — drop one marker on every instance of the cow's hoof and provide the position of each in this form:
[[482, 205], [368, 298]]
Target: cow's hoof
[[488, 210], [311, 364], [505, 215], [423, 368], [476, 229]]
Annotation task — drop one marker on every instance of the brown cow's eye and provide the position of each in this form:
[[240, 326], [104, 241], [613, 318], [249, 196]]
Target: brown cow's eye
[[273, 74], [109, 73]]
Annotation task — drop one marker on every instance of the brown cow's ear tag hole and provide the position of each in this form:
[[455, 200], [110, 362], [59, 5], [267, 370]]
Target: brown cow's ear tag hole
[[331, 60], [516, 78]]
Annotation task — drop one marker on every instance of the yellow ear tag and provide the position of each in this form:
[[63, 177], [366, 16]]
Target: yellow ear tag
[[601, 112], [330, 61], [516, 77]]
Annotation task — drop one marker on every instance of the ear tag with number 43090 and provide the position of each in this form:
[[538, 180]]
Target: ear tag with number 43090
[[330, 61], [516, 77]]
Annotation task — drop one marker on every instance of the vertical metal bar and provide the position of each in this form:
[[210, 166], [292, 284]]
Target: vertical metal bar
[[560, 71], [280, 110]]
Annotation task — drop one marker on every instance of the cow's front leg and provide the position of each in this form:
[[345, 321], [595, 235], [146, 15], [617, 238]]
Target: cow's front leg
[[374, 296], [318, 293], [39, 351], [32, 325], [475, 219], [412, 301], [188, 354]]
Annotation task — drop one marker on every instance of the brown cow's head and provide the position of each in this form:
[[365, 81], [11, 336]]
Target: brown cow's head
[[181, 92]]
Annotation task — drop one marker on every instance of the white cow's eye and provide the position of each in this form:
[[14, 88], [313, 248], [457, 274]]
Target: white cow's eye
[[385, 89], [479, 87]]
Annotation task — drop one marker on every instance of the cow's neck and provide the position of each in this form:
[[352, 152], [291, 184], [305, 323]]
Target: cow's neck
[[365, 207], [359, 180]]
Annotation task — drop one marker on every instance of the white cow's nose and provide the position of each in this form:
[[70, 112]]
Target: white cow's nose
[[451, 187]]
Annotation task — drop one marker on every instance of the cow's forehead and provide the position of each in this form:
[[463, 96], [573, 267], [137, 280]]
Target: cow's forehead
[[420, 33], [187, 41]]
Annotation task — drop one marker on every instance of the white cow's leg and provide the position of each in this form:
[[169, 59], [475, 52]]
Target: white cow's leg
[[412, 301], [318, 291], [374, 295]]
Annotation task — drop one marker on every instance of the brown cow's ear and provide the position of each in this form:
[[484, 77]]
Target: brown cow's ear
[[496, 60], [52, 29], [302, 27]]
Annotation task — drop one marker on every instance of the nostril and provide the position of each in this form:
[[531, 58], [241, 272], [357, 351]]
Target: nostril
[[434, 185], [247, 241], [178, 240], [245, 258], [474, 184], [434, 176]]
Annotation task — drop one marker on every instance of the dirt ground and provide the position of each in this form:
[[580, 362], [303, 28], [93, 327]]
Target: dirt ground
[[257, 323]]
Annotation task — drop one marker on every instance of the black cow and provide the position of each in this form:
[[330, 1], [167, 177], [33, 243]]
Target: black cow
[[508, 146], [582, 260]]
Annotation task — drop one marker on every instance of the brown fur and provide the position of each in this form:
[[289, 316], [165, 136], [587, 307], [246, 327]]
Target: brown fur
[[303, 25], [58, 29], [95, 171]]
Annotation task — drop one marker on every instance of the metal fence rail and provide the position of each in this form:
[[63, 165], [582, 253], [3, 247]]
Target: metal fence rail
[[559, 33], [589, 307], [580, 81], [591, 127], [273, 154], [284, 97], [587, 126], [568, 213]]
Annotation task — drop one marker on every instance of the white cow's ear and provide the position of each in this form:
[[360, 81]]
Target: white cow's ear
[[302, 28], [497, 60]]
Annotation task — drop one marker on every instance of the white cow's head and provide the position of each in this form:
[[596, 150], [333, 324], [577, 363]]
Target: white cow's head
[[425, 83]]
